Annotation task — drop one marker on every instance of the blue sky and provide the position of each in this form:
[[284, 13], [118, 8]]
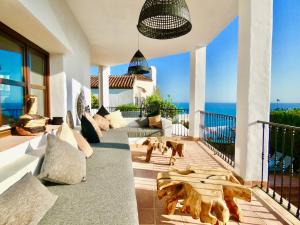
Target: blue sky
[[173, 71]]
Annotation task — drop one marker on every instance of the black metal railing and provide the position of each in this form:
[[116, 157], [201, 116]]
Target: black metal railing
[[179, 117], [218, 133], [280, 178], [132, 113]]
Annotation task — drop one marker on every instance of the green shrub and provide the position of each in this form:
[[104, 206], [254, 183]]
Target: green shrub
[[287, 117], [95, 102], [155, 105], [128, 107]]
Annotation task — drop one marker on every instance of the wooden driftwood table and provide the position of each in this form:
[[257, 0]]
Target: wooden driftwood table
[[205, 193], [163, 144]]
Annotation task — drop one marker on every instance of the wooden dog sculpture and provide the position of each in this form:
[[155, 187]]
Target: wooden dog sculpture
[[176, 147], [154, 143]]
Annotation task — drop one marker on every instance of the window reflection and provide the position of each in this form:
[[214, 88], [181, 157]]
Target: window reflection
[[12, 101], [11, 69], [37, 69], [11, 60], [16, 54], [40, 100]]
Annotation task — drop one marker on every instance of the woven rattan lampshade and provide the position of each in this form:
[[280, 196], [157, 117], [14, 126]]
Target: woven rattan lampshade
[[164, 19], [138, 64]]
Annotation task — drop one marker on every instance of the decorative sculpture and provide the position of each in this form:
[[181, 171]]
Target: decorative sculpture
[[207, 194], [163, 144], [81, 104], [31, 123]]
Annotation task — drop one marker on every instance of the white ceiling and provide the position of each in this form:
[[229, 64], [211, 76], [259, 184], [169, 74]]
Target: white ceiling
[[110, 26]]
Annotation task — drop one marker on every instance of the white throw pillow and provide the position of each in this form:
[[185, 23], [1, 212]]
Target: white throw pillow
[[65, 133], [116, 119], [63, 164]]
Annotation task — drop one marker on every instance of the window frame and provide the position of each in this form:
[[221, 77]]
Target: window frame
[[27, 47]]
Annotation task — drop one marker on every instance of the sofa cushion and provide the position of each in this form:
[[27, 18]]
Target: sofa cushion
[[102, 122], [116, 119], [83, 145], [89, 129], [108, 196], [155, 121], [115, 136], [140, 122], [65, 133], [26, 202], [63, 163], [102, 111]]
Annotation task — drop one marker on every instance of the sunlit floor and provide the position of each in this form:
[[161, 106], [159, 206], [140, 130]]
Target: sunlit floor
[[151, 208]]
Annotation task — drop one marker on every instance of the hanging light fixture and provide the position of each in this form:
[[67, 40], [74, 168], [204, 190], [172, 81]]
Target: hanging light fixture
[[164, 19], [138, 63]]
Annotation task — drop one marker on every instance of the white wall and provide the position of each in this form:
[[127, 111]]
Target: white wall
[[120, 96], [76, 64], [69, 49], [147, 85]]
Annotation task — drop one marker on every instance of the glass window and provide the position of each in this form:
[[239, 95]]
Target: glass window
[[12, 87], [11, 60], [37, 79], [37, 69], [19, 60], [11, 103], [40, 100]]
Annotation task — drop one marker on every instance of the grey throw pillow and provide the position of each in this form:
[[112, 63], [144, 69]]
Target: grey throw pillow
[[143, 122], [26, 202], [63, 164]]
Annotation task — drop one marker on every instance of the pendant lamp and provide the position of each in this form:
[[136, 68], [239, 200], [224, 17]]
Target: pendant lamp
[[164, 19]]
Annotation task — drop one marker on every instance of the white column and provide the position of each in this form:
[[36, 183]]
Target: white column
[[197, 89], [103, 81], [154, 76], [253, 88]]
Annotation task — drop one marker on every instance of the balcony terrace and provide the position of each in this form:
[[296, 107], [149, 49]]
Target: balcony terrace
[[58, 41], [258, 212]]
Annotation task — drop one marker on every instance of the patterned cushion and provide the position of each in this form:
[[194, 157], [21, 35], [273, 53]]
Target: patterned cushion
[[155, 121], [83, 145], [63, 164], [116, 119], [89, 129], [26, 202], [102, 111], [65, 133], [102, 122]]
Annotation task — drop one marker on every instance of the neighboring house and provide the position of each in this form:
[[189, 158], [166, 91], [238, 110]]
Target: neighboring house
[[126, 89]]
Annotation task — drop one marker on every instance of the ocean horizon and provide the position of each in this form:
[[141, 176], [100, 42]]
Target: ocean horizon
[[230, 108]]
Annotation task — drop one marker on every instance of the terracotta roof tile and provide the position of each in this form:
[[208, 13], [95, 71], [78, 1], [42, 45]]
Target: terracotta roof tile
[[124, 81], [94, 82]]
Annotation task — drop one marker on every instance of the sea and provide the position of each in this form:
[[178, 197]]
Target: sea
[[230, 108]]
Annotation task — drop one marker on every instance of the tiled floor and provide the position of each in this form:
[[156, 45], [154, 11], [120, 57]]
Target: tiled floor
[[151, 208]]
